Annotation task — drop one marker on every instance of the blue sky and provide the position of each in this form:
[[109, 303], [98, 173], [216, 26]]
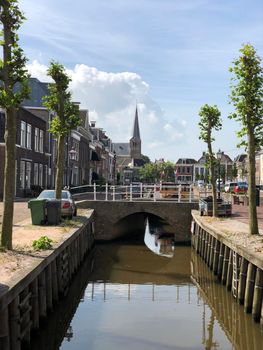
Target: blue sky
[[172, 56]]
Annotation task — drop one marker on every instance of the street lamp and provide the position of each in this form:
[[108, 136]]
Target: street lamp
[[219, 157], [72, 156]]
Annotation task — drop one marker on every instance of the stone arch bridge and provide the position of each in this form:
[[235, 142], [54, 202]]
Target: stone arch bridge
[[109, 216]]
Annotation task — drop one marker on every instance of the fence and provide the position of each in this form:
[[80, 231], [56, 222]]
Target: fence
[[142, 192]]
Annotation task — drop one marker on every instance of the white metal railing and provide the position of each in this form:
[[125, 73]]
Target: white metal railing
[[142, 192]]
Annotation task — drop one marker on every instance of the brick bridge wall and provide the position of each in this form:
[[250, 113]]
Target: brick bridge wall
[[108, 214]]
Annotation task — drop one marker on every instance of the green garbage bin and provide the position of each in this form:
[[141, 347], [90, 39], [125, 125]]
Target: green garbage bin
[[38, 211], [53, 207]]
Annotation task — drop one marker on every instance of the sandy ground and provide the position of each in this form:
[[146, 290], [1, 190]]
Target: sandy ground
[[24, 233]]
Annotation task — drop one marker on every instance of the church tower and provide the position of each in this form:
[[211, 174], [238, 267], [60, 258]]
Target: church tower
[[135, 141]]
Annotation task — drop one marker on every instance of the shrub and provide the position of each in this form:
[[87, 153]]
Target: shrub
[[43, 243]]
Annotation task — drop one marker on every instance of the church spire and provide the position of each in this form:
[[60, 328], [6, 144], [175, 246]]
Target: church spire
[[136, 129]]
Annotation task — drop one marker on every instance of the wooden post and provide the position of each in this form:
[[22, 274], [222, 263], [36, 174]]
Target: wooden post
[[249, 292], [216, 256], [48, 273], [54, 280], [4, 329], [225, 264], [206, 245], [220, 260], [242, 281], [42, 299], [209, 237], [212, 252], [34, 303], [258, 293], [14, 323], [229, 271], [202, 253]]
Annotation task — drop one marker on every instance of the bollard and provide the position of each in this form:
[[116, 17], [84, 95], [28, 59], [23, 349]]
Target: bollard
[[94, 192], [106, 192]]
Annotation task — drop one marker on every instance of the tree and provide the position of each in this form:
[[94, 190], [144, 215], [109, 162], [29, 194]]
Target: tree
[[167, 171], [210, 120], [146, 159], [247, 98], [67, 116], [12, 72], [234, 172]]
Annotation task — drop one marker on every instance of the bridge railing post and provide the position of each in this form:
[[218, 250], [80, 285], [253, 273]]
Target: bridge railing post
[[94, 192], [130, 192], [141, 190], [113, 193], [190, 194], [106, 192], [154, 193], [179, 193]]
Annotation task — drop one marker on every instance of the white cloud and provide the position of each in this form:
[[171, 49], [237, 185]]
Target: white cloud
[[111, 99]]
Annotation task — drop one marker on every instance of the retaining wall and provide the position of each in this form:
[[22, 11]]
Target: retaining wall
[[32, 297], [239, 270]]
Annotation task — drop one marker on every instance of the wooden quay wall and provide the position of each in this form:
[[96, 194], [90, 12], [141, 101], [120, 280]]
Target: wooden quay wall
[[33, 296], [235, 264]]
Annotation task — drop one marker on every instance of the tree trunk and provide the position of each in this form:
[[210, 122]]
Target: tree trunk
[[213, 180], [9, 178], [253, 221], [60, 166]]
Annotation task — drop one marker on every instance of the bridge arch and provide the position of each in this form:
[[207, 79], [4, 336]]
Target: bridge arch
[[108, 213]]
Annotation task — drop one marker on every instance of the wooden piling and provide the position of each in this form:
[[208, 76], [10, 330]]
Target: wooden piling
[[258, 293], [34, 303], [220, 260], [242, 280], [42, 299], [4, 329], [54, 280], [229, 271], [14, 317], [225, 264], [48, 272], [212, 251], [249, 292]]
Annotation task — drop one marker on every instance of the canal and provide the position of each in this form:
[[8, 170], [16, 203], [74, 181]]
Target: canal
[[129, 295]]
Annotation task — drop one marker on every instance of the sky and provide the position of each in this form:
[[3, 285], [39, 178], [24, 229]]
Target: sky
[[169, 57]]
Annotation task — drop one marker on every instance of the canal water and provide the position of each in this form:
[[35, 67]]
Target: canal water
[[129, 295]]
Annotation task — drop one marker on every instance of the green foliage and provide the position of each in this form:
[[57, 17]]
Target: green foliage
[[234, 171], [154, 172], [59, 102], [247, 94], [43, 243], [209, 120], [12, 65], [146, 159]]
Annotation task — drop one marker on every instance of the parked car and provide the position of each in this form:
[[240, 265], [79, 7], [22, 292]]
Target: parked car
[[68, 205], [230, 187], [241, 188]]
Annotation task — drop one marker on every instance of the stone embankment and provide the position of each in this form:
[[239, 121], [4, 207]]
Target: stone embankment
[[234, 256], [31, 289]]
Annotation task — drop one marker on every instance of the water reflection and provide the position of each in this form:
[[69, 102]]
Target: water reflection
[[157, 241], [135, 299], [239, 327]]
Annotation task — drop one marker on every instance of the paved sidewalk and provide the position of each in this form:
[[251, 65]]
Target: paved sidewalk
[[21, 212], [240, 213]]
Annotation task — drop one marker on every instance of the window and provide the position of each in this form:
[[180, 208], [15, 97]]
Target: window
[[41, 174], [23, 134], [36, 139], [22, 174], [28, 135], [28, 175], [36, 174], [41, 141]]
